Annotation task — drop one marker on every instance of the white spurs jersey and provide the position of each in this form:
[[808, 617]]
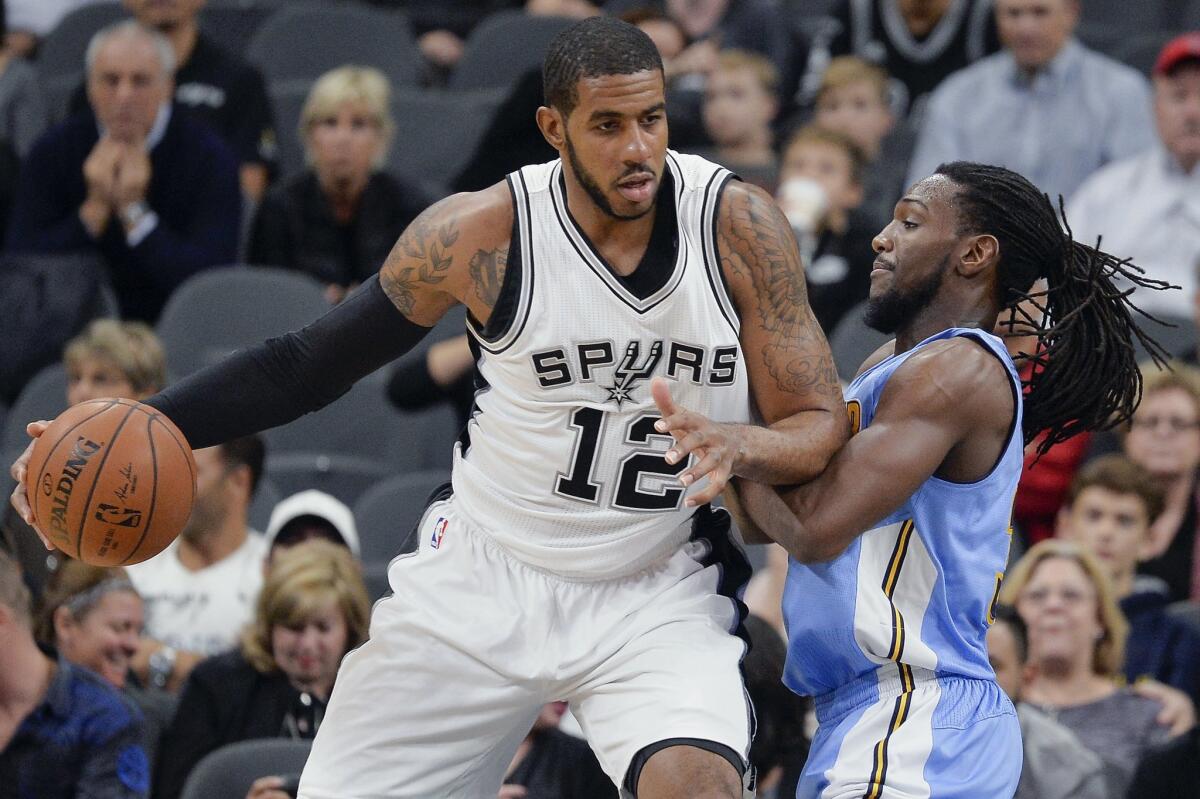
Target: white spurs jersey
[[561, 463]]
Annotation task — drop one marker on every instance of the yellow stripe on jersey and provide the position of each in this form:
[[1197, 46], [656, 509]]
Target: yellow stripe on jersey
[[899, 716], [891, 577]]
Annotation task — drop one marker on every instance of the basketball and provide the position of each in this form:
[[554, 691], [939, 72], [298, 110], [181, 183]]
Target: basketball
[[111, 482]]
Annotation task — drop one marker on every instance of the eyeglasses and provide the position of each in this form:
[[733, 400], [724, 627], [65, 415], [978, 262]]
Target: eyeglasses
[[1175, 424]]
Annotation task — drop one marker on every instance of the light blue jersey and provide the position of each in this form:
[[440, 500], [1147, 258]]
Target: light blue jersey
[[889, 637]]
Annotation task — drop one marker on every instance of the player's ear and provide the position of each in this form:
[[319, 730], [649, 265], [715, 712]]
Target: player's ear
[[553, 126], [981, 253]]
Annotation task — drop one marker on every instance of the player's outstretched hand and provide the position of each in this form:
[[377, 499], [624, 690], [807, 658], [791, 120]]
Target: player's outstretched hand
[[714, 445], [19, 468]]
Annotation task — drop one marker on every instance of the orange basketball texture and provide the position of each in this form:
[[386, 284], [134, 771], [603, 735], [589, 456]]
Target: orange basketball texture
[[111, 482]]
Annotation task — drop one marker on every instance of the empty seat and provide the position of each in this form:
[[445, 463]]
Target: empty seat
[[222, 310], [44, 397], [232, 26], [287, 101], [304, 41], [503, 47], [229, 772], [343, 476], [388, 512], [60, 57], [437, 132]]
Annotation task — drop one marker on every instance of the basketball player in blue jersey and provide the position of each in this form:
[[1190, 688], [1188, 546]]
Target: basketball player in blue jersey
[[565, 560], [899, 547]]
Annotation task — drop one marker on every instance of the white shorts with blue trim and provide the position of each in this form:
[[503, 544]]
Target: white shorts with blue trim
[[473, 642], [902, 733]]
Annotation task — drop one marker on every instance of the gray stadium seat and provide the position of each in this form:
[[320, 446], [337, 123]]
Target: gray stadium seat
[[266, 497], [60, 58], [357, 423], [45, 397], [303, 41], [229, 772], [343, 476], [503, 47], [287, 101], [852, 341], [388, 511], [1175, 334], [1141, 51], [1186, 610], [421, 440], [437, 132], [221, 310]]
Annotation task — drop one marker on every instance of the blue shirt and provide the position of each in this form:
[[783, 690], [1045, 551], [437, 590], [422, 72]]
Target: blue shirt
[[1080, 112], [918, 588], [82, 742]]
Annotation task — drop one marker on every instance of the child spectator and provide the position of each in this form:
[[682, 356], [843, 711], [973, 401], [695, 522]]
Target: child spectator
[[1110, 507], [740, 102], [820, 192]]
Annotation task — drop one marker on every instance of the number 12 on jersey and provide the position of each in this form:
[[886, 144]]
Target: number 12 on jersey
[[631, 491]]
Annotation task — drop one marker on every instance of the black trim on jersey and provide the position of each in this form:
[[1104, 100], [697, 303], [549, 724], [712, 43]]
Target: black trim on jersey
[[671, 274], [481, 386], [722, 294], [1012, 424], [634, 772], [508, 304]]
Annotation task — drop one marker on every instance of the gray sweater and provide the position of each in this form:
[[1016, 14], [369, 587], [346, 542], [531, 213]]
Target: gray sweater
[[1057, 765]]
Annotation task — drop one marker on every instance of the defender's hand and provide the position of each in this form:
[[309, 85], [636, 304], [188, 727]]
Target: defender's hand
[[715, 445], [19, 469]]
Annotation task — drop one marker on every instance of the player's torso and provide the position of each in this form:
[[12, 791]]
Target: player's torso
[[917, 589], [561, 462]]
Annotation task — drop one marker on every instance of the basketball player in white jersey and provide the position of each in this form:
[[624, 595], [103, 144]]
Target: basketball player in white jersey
[[574, 557]]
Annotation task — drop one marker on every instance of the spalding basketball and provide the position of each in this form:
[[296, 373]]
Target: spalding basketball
[[111, 482]]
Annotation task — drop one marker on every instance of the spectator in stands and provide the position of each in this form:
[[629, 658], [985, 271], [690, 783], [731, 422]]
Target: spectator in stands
[[1164, 439], [918, 42], [22, 110], [200, 590], [64, 732], [1046, 106], [153, 192], [216, 86], [309, 515], [313, 609], [1056, 765], [1110, 508], [92, 616], [1076, 647], [740, 103], [853, 100], [820, 192], [339, 219], [549, 762], [108, 359], [1157, 221]]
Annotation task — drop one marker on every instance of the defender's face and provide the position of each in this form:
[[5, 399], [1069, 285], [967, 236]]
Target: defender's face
[[915, 246], [615, 141]]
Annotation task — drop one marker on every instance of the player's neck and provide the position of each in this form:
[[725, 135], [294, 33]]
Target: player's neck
[[622, 242], [939, 316]]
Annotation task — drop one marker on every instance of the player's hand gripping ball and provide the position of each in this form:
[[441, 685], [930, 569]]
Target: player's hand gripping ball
[[111, 482]]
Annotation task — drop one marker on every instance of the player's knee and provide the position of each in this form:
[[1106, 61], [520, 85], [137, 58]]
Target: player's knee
[[688, 772]]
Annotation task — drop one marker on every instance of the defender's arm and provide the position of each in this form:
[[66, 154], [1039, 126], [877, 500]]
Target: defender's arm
[[920, 422]]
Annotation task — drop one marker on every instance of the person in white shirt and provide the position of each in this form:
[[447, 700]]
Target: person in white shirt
[[200, 591], [1148, 205]]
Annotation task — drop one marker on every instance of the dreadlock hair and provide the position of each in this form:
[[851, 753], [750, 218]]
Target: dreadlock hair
[[589, 49], [1085, 374]]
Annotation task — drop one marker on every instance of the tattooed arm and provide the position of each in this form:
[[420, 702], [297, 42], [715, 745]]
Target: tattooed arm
[[792, 378], [454, 252]]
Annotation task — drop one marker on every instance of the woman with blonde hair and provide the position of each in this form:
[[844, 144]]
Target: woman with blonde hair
[[1076, 650], [338, 220], [312, 610]]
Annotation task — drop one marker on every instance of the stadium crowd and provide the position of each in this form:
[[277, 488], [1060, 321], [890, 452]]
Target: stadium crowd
[[179, 178]]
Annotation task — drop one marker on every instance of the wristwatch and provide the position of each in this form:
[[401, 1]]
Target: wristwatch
[[162, 664], [133, 213]]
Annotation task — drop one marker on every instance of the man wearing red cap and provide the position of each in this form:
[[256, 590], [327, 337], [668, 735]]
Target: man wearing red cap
[[1148, 205]]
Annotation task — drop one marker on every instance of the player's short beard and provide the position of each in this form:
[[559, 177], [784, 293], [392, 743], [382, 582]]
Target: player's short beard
[[896, 309], [593, 188]]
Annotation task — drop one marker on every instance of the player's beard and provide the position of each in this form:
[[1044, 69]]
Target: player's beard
[[896, 309], [593, 188]]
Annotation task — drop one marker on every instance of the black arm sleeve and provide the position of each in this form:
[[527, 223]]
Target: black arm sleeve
[[288, 376]]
